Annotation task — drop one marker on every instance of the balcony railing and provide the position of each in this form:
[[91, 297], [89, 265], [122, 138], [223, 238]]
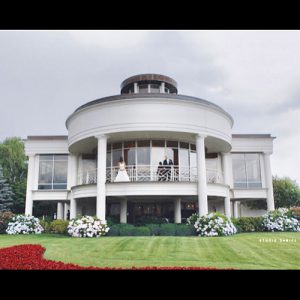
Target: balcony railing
[[145, 173], [87, 177]]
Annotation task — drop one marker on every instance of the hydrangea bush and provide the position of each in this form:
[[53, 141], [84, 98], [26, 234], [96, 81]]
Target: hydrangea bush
[[192, 219], [214, 224], [21, 224], [280, 220], [87, 226]]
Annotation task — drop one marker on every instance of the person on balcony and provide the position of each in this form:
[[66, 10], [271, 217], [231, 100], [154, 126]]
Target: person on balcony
[[168, 163], [160, 171], [122, 173]]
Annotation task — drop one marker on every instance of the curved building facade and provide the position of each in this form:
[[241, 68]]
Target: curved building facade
[[179, 154]]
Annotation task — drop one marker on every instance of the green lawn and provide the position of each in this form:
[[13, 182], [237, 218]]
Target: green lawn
[[242, 251]]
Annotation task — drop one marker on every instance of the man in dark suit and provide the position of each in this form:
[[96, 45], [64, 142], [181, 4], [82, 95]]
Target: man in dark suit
[[167, 163]]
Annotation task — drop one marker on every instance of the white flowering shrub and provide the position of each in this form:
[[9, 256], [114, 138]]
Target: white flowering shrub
[[87, 226], [280, 220], [214, 224], [21, 224], [192, 219]]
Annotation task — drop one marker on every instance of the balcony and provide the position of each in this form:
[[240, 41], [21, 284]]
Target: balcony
[[146, 173]]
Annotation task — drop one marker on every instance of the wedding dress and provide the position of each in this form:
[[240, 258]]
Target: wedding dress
[[122, 174]]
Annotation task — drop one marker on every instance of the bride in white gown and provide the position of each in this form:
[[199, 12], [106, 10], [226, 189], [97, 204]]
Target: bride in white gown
[[122, 174]]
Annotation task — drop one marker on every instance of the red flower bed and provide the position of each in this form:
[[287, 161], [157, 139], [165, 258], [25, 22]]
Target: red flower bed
[[30, 257]]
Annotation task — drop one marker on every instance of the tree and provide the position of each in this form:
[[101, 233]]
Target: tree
[[286, 194], [14, 163], [6, 194]]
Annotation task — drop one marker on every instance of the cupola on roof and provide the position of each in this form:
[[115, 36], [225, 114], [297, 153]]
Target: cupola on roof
[[149, 83]]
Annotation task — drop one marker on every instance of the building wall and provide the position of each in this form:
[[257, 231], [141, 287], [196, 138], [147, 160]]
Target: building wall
[[152, 114], [245, 211]]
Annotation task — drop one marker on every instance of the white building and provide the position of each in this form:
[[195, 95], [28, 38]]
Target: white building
[[213, 169]]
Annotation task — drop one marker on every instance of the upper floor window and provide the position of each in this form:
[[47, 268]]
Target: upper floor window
[[155, 88], [143, 88], [53, 171], [246, 170]]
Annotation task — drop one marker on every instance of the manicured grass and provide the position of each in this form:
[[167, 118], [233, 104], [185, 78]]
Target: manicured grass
[[242, 251]]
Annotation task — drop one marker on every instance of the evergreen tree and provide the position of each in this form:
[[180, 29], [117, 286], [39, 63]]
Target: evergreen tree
[[6, 194], [14, 163]]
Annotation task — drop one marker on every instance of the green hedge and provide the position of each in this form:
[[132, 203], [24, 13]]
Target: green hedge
[[151, 230], [154, 229], [168, 229], [185, 230], [248, 224], [144, 220], [141, 231], [126, 229]]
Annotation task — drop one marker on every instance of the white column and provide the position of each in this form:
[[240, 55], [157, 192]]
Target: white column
[[101, 177], [201, 171], [36, 172], [73, 208], [135, 88], [177, 210], [30, 183], [60, 211], [227, 207], [123, 210], [226, 177], [235, 209], [72, 170], [66, 208], [269, 183], [162, 88]]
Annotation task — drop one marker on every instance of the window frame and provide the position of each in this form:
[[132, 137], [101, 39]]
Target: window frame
[[51, 184]]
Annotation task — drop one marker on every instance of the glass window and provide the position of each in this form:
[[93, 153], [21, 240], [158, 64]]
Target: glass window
[[193, 165], [184, 157], [89, 164], [60, 174], [184, 145], [46, 157], [45, 174], [239, 171], [143, 156], [53, 170], [155, 88], [158, 143], [60, 157], [173, 144], [130, 144], [143, 88], [108, 159], [193, 147], [253, 170], [117, 146], [167, 91], [129, 156], [116, 154], [143, 143], [157, 155], [211, 163], [246, 170]]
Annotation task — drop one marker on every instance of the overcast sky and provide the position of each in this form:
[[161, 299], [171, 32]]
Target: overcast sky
[[253, 75]]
